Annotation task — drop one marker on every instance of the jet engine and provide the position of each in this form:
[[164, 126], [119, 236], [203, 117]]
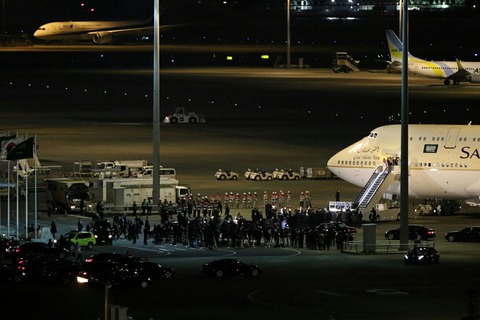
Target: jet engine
[[474, 78], [102, 37]]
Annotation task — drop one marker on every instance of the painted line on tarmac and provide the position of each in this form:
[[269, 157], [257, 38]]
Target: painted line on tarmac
[[250, 296], [295, 252], [164, 251], [331, 293], [386, 292]]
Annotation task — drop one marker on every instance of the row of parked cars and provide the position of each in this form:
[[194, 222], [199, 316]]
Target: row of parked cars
[[41, 262], [419, 232], [427, 254], [259, 175]]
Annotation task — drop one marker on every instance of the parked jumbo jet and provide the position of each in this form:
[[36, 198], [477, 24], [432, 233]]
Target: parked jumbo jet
[[443, 161], [455, 71], [100, 32]]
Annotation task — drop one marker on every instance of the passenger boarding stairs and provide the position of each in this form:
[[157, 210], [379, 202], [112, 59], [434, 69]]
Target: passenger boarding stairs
[[373, 191], [343, 62]]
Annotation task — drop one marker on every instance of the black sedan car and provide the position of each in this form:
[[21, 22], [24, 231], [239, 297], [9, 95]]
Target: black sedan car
[[26, 249], [59, 271], [229, 268], [102, 229], [415, 232], [467, 234], [11, 273], [336, 227], [105, 257], [422, 255], [124, 271]]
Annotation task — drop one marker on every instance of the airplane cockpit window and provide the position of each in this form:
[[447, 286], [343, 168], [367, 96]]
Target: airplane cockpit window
[[373, 135]]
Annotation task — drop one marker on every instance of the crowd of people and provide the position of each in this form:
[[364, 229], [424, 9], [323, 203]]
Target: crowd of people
[[207, 221]]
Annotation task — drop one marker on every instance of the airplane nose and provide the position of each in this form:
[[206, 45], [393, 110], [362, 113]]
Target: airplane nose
[[332, 162]]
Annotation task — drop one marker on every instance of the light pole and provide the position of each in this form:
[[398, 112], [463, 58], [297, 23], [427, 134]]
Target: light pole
[[156, 102], [404, 134], [107, 287], [288, 33]]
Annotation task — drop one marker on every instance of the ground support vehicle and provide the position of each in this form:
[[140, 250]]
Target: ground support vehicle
[[343, 62], [260, 175], [287, 175], [181, 116], [122, 168], [222, 174], [119, 194], [68, 195]]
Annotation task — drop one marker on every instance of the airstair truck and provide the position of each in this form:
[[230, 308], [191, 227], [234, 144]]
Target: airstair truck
[[66, 195], [343, 62]]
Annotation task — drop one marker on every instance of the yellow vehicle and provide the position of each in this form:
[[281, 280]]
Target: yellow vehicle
[[83, 238]]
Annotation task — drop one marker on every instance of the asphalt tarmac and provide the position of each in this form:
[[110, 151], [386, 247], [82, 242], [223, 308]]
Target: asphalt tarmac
[[258, 117]]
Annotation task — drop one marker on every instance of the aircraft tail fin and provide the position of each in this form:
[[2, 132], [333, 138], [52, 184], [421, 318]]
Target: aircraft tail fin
[[395, 47]]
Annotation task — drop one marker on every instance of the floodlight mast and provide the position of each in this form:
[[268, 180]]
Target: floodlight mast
[[156, 103], [288, 33], [404, 236]]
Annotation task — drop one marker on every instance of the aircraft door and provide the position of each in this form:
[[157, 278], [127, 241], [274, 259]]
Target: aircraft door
[[451, 139]]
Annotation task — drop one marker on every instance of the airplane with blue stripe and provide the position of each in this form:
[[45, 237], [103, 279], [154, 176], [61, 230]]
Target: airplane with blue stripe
[[454, 71]]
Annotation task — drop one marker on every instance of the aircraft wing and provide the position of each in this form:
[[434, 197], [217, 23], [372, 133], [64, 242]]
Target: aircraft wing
[[131, 31], [107, 36], [461, 74]]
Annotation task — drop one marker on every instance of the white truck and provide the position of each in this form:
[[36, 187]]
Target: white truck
[[147, 171], [181, 116], [123, 168], [66, 196], [120, 193]]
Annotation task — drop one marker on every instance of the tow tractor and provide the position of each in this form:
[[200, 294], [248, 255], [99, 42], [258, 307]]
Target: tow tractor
[[181, 116]]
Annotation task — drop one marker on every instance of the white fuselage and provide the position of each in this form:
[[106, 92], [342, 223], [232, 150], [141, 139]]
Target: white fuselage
[[78, 30], [443, 160], [439, 69]]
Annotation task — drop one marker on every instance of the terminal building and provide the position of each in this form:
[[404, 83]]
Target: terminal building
[[335, 6]]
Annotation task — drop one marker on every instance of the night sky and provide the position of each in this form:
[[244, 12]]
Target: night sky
[[27, 15]]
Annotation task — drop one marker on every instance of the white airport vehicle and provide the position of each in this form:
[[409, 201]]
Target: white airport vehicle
[[222, 174], [123, 168], [261, 175], [287, 175], [147, 171], [343, 62], [120, 193], [181, 116], [67, 196]]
